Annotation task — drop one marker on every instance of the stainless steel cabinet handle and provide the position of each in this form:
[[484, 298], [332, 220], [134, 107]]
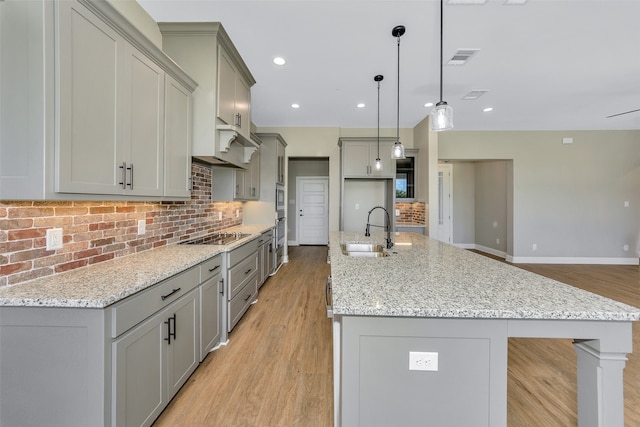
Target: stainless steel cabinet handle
[[130, 183], [169, 333], [214, 268], [247, 298], [248, 271], [123, 175], [164, 297], [221, 284]]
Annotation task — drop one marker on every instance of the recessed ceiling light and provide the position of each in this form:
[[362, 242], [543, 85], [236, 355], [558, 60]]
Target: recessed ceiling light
[[295, 105], [429, 104], [279, 60], [486, 110], [515, 1], [361, 105]]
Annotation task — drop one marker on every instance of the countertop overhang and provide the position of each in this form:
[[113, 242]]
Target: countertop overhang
[[427, 278], [108, 282]]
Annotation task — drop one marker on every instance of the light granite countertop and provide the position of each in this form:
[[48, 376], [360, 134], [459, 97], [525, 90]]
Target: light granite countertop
[[103, 284], [427, 278]]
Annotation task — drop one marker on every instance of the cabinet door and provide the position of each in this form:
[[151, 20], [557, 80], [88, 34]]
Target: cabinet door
[[91, 57], [355, 159], [183, 350], [252, 178], [240, 175], [210, 305], [144, 125], [177, 140], [280, 167], [243, 107], [226, 88], [138, 372]]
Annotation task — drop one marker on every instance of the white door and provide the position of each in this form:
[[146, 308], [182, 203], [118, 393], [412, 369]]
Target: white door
[[445, 225], [312, 202]]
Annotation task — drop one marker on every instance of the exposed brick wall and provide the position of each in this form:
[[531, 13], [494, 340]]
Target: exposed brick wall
[[411, 213], [98, 231]]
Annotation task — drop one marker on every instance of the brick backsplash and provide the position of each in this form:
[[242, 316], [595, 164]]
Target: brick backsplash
[[99, 231], [411, 212]]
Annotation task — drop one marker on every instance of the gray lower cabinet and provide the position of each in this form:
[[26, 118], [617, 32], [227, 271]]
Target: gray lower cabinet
[[153, 359], [265, 265], [211, 299], [242, 281], [114, 366]]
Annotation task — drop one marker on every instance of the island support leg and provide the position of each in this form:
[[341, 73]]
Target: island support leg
[[600, 385]]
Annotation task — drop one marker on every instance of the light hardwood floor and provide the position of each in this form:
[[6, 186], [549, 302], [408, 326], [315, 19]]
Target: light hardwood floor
[[277, 369]]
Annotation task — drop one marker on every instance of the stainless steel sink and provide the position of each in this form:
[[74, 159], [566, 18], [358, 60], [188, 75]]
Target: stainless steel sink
[[371, 250]]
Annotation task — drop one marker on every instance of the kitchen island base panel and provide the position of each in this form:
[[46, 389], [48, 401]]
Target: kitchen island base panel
[[470, 386], [52, 367]]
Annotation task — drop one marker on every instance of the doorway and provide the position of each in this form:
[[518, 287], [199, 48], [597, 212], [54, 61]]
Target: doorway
[[312, 210]]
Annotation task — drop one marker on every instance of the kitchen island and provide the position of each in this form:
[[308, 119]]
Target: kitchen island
[[431, 297]]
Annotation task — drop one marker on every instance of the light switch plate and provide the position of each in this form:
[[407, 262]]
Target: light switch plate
[[142, 227]]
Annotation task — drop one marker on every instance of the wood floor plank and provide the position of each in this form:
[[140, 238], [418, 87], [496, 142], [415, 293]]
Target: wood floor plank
[[277, 369]]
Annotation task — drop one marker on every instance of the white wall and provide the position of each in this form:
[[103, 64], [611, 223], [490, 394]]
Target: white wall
[[567, 199], [491, 206]]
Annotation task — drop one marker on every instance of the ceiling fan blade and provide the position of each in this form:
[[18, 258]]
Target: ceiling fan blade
[[620, 114]]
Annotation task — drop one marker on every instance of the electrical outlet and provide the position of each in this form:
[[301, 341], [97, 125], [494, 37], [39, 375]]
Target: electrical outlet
[[357, 206], [397, 212], [534, 247], [237, 213], [497, 241], [625, 248], [423, 361], [54, 239], [142, 227], [220, 216]]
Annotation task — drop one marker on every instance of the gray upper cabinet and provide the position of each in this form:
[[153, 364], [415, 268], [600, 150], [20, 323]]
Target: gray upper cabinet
[[359, 156], [91, 116], [177, 140], [222, 104]]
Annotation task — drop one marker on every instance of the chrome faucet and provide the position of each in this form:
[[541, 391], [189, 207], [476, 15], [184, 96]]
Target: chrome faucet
[[387, 227]]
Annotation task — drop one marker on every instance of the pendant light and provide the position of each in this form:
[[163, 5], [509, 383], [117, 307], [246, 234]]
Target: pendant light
[[442, 114], [398, 149], [378, 79]]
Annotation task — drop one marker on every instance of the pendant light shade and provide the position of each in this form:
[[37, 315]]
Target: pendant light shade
[[398, 149], [441, 116], [378, 164]]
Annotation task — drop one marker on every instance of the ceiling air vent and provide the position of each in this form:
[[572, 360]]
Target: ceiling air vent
[[462, 56], [474, 94]]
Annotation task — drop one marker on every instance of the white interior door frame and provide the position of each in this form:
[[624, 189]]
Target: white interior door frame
[[445, 202]]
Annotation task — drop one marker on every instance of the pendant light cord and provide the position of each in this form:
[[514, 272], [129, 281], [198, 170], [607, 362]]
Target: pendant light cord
[[398, 106], [441, 20], [378, 158]]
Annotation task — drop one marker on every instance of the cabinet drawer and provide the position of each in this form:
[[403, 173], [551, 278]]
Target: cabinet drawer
[[265, 237], [241, 274], [210, 268], [240, 253], [242, 301], [138, 307]]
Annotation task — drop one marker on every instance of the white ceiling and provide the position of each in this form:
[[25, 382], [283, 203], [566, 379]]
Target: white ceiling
[[547, 64]]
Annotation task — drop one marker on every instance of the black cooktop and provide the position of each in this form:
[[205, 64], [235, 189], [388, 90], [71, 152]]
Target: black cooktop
[[221, 238]]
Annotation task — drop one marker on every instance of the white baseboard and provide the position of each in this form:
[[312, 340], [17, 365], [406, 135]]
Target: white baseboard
[[574, 260], [551, 260]]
